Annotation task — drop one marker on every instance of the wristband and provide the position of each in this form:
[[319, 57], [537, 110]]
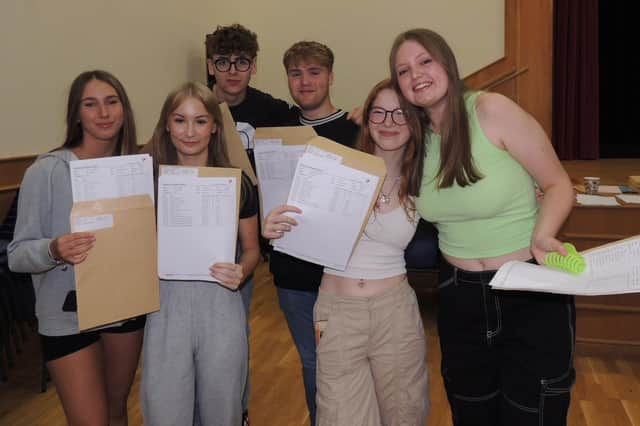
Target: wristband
[[51, 256]]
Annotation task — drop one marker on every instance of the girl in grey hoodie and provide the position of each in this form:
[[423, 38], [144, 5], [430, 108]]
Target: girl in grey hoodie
[[92, 371]]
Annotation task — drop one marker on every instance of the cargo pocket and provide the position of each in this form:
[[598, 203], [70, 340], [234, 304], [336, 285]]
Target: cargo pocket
[[328, 364], [555, 395]]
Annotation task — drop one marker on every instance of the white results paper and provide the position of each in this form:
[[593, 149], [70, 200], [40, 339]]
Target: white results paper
[[334, 200], [197, 224], [275, 167], [111, 177], [611, 269]]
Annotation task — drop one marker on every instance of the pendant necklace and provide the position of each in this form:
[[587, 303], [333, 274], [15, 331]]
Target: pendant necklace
[[386, 198]]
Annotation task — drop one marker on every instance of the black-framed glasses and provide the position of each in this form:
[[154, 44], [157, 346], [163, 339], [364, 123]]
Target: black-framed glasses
[[378, 115], [223, 64]]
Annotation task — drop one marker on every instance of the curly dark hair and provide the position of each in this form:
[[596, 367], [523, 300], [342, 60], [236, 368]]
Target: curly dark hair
[[232, 39]]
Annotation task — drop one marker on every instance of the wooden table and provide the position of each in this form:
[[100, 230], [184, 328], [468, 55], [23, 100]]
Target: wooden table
[[604, 319]]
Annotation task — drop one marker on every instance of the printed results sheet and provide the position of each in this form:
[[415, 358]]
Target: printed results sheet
[[334, 200], [106, 178], [611, 269], [111, 177], [197, 223], [275, 167]]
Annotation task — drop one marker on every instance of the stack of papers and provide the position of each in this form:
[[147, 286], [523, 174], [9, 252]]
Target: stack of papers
[[611, 269], [609, 189], [336, 188], [629, 198], [596, 200]]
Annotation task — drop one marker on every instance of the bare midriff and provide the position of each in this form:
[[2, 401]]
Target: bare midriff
[[488, 263], [358, 287]]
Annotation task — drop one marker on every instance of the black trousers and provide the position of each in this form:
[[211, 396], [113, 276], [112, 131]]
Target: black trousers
[[507, 356]]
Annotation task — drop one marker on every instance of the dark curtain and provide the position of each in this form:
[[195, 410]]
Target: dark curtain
[[575, 79], [616, 118]]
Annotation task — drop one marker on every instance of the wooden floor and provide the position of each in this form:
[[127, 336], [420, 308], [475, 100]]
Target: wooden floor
[[607, 392]]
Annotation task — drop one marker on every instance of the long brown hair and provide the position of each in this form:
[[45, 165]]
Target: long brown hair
[[126, 137], [411, 168], [456, 161]]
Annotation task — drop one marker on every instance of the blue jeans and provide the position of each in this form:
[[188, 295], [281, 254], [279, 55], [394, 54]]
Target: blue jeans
[[297, 307], [507, 356]]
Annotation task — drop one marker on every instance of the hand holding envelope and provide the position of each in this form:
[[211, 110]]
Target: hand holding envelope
[[116, 276], [72, 248]]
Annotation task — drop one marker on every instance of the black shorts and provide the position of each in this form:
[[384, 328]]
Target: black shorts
[[54, 347]]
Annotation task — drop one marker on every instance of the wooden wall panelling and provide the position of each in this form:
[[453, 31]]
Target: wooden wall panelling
[[525, 72], [508, 64], [7, 195], [508, 88], [596, 324], [11, 173], [536, 53], [12, 169]]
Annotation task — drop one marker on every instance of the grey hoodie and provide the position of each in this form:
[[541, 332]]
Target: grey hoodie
[[44, 206]]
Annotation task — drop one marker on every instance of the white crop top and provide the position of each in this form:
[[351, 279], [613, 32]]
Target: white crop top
[[380, 251]]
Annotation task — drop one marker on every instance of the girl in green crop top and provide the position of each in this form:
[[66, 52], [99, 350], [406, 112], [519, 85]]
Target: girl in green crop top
[[504, 353]]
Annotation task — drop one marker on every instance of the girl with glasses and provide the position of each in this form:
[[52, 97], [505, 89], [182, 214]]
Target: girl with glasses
[[370, 339]]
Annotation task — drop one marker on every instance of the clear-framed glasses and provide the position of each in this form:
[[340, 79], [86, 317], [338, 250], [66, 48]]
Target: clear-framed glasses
[[223, 64], [378, 115]]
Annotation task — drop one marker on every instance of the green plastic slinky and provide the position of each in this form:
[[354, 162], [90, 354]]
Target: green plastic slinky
[[573, 262]]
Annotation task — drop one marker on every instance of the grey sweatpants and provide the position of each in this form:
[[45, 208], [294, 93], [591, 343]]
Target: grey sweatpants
[[194, 356]]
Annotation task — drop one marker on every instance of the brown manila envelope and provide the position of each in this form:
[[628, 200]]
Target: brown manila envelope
[[269, 195], [237, 154], [207, 172], [309, 243], [118, 280]]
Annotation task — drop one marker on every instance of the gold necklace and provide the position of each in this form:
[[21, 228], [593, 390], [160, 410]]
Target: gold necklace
[[386, 198]]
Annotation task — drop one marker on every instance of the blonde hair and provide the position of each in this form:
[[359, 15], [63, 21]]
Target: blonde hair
[[161, 147], [309, 51]]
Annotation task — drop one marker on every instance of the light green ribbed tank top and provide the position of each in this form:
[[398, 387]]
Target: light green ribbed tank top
[[491, 217]]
